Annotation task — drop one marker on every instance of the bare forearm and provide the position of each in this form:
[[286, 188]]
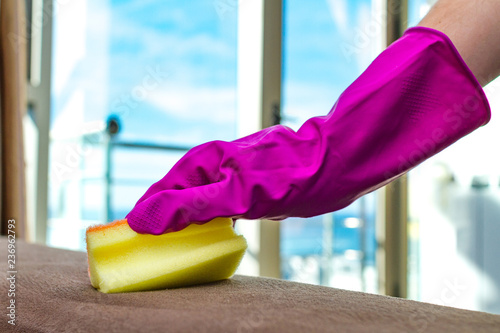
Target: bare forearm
[[474, 28]]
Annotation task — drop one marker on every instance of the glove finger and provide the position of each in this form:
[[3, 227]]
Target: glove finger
[[198, 167], [173, 210]]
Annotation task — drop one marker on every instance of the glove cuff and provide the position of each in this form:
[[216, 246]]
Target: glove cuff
[[460, 62]]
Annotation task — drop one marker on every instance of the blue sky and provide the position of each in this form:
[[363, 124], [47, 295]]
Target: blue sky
[[187, 40], [315, 70]]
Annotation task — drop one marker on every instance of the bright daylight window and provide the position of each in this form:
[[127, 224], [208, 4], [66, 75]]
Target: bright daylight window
[[164, 72], [137, 83], [454, 204]]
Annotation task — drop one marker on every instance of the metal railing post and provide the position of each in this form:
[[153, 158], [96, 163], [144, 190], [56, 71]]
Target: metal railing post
[[395, 238]]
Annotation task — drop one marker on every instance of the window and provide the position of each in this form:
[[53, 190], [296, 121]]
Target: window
[[454, 205], [163, 73], [136, 83], [326, 45]]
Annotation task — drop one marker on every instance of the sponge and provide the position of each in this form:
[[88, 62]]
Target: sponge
[[121, 260]]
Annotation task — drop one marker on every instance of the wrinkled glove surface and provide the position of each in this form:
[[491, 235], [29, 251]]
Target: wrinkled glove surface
[[415, 99]]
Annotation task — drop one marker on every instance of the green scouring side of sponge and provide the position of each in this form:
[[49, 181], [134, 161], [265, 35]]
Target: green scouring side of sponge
[[121, 260]]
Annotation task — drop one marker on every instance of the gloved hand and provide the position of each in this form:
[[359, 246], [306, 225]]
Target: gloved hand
[[415, 99]]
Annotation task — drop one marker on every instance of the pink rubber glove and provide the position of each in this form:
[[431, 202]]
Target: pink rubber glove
[[415, 99]]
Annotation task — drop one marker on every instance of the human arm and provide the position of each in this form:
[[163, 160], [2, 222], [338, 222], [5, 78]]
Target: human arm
[[474, 29]]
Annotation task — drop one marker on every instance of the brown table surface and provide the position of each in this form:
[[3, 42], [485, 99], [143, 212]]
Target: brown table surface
[[53, 294]]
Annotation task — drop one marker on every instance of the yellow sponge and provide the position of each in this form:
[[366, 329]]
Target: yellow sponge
[[121, 260]]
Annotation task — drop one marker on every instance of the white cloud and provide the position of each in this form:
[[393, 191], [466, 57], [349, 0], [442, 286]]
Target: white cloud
[[214, 104], [339, 13], [371, 27], [170, 43]]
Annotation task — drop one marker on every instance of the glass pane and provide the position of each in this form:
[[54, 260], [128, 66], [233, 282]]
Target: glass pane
[[326, 46], [454, 217], [163, 71]]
